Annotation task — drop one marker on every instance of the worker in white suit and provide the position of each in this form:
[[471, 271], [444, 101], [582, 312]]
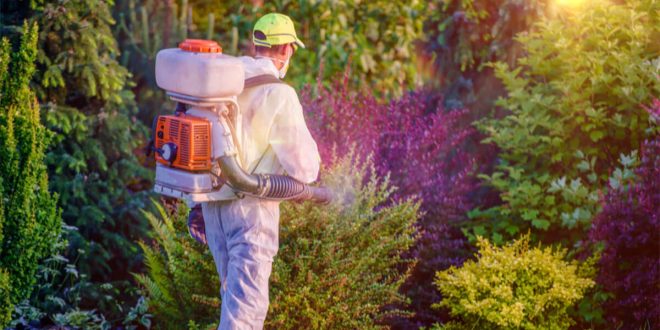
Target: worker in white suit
[[242, 233]]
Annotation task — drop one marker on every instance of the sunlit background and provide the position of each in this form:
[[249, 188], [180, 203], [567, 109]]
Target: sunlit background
[[494, 158]]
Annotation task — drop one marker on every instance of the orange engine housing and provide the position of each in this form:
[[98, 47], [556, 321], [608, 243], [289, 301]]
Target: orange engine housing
[[191, 135]]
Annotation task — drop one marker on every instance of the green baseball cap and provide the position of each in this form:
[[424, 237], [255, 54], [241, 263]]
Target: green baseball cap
[[275, 29]]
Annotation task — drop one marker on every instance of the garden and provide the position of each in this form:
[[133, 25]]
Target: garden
[[497, 164]]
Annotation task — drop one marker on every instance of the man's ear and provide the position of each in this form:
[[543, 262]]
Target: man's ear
[[283, 51]]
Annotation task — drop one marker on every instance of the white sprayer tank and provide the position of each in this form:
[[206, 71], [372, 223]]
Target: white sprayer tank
[[209, 82], [203, 75]]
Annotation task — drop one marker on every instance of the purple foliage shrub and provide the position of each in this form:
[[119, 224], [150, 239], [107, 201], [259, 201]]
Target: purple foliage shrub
[[340, 120], [629, 226], [430, 153]]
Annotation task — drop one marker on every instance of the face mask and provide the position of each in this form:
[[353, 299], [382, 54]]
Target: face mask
[[284, 68], [285, 64]]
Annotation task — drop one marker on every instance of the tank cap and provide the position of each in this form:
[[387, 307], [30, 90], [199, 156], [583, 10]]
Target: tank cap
[[200, 46]]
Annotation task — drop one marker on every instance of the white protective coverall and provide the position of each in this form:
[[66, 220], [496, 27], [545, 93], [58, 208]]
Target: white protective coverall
[[243, 233]]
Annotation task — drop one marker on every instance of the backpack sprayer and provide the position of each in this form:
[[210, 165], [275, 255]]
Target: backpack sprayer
[[197, 147]]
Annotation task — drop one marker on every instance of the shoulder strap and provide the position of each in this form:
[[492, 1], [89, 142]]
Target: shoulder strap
[[262, 80], [255, 81]]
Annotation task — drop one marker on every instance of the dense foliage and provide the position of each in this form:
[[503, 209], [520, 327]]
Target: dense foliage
[[430, 153], [143, 28], [573, 110], [628, 227], [91, 162], [462, 36], [30, 221], [513, 287], [336, 268], [375, 39], [59, 297], [181, 277]]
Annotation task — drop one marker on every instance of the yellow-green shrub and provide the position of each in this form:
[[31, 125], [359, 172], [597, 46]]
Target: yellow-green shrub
[[513, 287], [5, 302], [30, 221]]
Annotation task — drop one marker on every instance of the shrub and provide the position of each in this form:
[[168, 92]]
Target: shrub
[[338, 265], [429, 152], [629, 227], [513, 287], [87, 104], [5, 302], [58, 297], [29, 219], [573, 110]]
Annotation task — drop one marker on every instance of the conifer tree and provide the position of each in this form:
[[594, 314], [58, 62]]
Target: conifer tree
[[30, 221]]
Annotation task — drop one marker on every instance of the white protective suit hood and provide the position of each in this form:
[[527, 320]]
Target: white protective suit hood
[[257, 66]]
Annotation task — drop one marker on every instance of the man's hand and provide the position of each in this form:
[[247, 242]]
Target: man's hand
[[196, 227]]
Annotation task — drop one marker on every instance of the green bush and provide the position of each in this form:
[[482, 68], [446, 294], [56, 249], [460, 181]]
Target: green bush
[[337, 266], [30, 222], [513, 287], [85, 101], [61, 297], [573, 114]]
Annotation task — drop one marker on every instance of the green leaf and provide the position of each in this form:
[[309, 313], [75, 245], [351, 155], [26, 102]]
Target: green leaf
[[498, 239], [479, 230], [541, 224], [529, 215], [512, 230], [596, 135], [583, 166]]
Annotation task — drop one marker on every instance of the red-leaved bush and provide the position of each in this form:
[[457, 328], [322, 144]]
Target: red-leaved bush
[[629, 226], [429, 153]]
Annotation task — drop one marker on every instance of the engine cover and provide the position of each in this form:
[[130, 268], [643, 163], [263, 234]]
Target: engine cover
[[192, 137]]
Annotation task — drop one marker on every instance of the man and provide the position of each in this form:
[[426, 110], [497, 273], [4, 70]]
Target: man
[[243, 233]]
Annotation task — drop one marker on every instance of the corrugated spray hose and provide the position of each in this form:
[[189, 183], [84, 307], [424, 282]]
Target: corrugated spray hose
[[270, 186], [283, 187]]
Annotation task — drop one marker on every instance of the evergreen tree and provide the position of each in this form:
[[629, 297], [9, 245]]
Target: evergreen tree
[[84, 94], [30, 222]]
